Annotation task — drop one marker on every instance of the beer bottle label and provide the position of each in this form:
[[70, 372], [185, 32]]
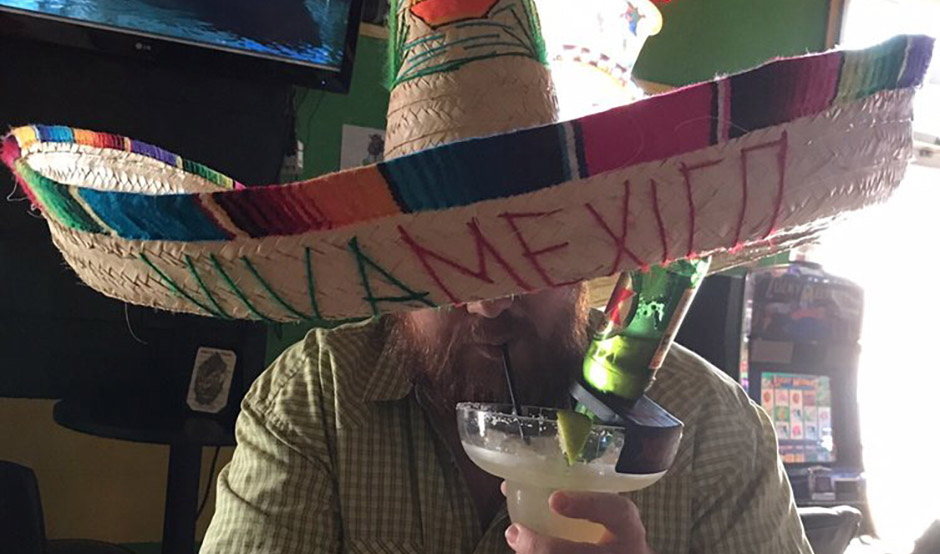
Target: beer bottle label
[[673, 328]]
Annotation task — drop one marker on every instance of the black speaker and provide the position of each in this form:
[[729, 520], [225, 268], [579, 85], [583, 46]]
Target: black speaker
[[713, 326]]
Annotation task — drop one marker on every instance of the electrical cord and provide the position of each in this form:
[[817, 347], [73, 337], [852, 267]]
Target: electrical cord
[[209, 482], [314, 110]]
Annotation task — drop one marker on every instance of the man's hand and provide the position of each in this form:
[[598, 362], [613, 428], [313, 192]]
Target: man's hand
[[625, 532]]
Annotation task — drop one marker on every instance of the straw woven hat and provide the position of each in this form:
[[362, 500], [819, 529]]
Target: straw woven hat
[[739, 167]]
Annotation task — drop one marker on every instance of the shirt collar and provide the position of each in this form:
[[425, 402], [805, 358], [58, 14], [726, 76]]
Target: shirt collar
[[389, 379]]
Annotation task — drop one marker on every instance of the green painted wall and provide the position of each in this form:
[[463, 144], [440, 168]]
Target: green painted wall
[[321, 115], [702, 38]]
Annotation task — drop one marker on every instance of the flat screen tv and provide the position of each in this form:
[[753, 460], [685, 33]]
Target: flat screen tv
[[306, 42]]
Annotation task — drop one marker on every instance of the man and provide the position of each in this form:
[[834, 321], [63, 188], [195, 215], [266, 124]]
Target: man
[[348, 443]]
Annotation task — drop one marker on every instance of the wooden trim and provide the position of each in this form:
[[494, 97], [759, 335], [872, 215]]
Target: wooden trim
[[374, 31], [834, 23]]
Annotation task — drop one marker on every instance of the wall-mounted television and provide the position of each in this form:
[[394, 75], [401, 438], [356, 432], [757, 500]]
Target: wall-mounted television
[[310, 43]]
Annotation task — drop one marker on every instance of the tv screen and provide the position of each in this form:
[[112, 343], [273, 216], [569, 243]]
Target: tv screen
[[801, 408], [313, 41]]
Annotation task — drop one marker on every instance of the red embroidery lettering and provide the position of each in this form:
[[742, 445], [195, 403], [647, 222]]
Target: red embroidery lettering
[[686, 170], [780, 143], [659, 220], [532, 255], [620, 241], [483, 246]]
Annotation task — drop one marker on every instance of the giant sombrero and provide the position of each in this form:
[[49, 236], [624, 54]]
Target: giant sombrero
[[742, 166]]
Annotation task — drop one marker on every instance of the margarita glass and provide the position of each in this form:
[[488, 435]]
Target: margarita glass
[[524, 450]]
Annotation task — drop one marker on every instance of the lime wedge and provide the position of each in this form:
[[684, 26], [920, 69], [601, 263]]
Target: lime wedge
[[573, 431]]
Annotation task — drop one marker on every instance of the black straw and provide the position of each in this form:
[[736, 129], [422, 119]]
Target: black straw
[[510, 382]]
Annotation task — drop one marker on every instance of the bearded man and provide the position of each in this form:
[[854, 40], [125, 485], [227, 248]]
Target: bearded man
[[349, 443]]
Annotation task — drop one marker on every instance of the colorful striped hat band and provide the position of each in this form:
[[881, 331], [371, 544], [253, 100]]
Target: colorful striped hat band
[[739, 167]]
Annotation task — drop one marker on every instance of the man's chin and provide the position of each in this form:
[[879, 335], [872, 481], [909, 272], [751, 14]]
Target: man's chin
[[489, 353]]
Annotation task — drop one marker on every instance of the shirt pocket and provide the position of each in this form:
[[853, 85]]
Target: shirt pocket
[[382, 546]]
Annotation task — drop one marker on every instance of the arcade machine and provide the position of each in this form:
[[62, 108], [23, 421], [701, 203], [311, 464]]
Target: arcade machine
[[789, 334]]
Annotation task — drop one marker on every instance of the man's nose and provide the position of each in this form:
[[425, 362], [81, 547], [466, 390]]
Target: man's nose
[[490, 308]]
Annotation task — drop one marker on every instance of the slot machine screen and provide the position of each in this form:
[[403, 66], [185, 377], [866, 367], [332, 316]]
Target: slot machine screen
[[800, 406]]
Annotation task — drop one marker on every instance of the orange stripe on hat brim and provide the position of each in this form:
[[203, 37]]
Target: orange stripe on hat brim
[[352, 196]]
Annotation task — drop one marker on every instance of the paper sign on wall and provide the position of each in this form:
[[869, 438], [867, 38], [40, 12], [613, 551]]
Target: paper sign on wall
[[361, 146], [211, 380]]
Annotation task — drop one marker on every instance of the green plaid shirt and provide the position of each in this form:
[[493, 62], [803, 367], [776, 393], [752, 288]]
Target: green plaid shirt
[[336, 455]]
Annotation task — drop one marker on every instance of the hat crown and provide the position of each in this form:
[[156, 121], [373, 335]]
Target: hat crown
[[460, 69]]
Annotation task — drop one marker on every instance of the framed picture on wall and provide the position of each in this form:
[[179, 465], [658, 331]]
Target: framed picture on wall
[[361, 146]]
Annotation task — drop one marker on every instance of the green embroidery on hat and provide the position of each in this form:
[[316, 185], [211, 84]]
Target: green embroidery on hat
[[205, 289], [362, 261], [57, 200], [311, 290], [176, 288], [238, 292], [460, 32]]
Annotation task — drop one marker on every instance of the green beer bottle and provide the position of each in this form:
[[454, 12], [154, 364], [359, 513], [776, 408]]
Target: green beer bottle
[[641, 322]]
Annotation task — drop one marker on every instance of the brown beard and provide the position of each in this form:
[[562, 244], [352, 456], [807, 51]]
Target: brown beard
[[434, 364]]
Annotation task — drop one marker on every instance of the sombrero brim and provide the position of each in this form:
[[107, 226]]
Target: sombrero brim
[[733, 167]]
